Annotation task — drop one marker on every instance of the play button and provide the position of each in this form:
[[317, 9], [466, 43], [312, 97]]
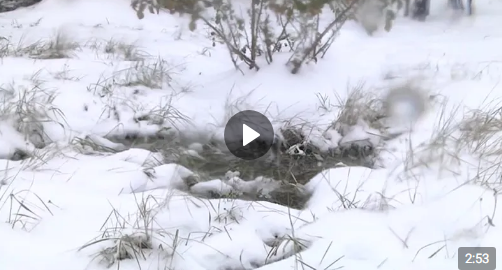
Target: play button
[[249, 135]]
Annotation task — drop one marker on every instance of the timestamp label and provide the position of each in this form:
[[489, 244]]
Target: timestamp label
[[477, 258]]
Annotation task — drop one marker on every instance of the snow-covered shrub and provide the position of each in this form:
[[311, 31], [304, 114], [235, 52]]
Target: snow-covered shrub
[[300, 28]]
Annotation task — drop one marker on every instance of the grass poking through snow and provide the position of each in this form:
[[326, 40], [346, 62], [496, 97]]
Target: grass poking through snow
[[59, 46]]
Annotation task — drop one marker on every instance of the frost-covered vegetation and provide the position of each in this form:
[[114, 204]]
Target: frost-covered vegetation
[[112, 150]]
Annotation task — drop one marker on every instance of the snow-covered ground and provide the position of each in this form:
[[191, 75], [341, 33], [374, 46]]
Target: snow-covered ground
[[431, 196]]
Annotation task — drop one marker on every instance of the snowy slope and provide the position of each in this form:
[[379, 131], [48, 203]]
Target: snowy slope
[[407, 215]]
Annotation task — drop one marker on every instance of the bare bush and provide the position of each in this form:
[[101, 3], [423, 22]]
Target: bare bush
[[268, 27]]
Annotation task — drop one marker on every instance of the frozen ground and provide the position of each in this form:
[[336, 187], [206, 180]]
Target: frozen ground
[[438, 189]]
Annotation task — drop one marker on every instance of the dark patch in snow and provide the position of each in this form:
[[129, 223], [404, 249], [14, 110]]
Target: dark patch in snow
[[292, 162], [10, 5]]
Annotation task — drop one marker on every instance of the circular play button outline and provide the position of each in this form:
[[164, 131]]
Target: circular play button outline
[[249, 135]]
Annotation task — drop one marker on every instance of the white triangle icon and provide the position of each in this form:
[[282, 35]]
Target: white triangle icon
[[248, 135]]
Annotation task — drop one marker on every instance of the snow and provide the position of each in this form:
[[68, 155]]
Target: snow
[[401, 216]]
